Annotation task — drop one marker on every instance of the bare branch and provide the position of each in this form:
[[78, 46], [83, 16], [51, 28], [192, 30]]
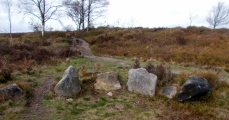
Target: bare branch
[[44, 10], [219, 15]]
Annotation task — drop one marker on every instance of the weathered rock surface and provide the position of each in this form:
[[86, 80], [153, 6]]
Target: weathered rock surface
[[194, 87], [107, 81], [169, 91], [10, 92], [140, 81], [69, 85]]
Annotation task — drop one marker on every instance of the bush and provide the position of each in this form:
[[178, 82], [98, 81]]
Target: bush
[[136, 64], [5, 74], [163, 73], [68, 51], [181, 40]]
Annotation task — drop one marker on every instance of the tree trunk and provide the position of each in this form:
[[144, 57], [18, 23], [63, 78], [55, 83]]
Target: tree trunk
[[88, 15], [43, 20], [10, 27], [43, 29]]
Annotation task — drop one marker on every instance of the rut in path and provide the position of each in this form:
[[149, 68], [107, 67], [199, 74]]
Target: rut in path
[[37, 111]]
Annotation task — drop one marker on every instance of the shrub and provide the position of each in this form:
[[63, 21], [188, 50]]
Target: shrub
[[136, 64], [163, 73], [5, 75], [42, 54], [181, 40], [68, 51]]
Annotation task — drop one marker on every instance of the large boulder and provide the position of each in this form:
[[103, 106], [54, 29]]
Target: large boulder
[[140, 81], [10, 92], [69, 85], [107, 81], [169, 91], [194, 87]]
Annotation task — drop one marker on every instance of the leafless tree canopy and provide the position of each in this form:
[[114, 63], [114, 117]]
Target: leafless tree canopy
[[96, 8], [76, 11], [219, 15], [44, 10], [81, 11], [7, 7]]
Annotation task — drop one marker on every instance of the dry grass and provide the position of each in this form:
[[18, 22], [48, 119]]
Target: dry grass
[[200, 45]]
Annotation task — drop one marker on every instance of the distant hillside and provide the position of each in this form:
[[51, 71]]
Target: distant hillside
[[184, 45]]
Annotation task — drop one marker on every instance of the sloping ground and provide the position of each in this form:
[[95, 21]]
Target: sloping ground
[[86, 51], [198, 45], [36, 109], [91, 104]]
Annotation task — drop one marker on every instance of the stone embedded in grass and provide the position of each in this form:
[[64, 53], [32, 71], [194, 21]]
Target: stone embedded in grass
[[69, 85], [110, 94], [107, 81], [194, 87], [140, 81], [169, 91], [119, 106], [10, 92]]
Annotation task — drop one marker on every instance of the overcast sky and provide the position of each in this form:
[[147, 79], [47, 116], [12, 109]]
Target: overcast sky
[[133, 13]]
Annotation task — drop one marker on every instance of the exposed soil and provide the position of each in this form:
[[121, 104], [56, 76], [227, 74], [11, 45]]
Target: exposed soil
[[35, 106]]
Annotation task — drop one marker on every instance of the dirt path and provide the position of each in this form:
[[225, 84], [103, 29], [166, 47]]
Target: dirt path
[[86, 51], [37, 111]]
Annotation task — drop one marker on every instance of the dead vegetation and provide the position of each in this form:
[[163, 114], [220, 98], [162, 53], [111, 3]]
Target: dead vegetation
[[200, 45], [33, 58]]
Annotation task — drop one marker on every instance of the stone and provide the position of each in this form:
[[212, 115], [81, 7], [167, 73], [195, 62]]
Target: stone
[[69, 85], [169, 91], [110, 94], [107, 81], [140, 81], [119, 106], [194, 87], [69, 100], [10, 92]]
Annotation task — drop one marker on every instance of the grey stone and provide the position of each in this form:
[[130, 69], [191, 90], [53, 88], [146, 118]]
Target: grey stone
[[110, 94], [194, 87], [119, 106], [169, 91], [140, 81], [69, 85], [10, 92], [107, 81]]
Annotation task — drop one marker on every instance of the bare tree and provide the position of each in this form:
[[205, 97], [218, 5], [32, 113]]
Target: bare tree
[[95, 9], [81, 11], [7, 7], [219, 15], [192, 16], [76, 10], [44, 10]]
